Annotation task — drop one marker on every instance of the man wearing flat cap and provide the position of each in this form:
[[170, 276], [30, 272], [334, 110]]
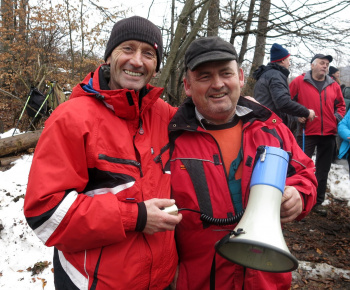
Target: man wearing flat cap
[[214, 138], [271, 88], [97, 183], [318, 91]]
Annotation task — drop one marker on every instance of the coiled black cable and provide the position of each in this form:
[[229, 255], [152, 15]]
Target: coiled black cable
[[216, 221]]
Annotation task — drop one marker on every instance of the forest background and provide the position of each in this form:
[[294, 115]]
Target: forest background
[[63, 40]]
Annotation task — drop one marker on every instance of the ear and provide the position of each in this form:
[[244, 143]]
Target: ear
[[187, 87], [241, 78], [108, 61]]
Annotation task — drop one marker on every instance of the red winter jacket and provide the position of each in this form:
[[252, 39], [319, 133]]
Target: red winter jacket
[[197, 169], [329, 105], [94, 161]]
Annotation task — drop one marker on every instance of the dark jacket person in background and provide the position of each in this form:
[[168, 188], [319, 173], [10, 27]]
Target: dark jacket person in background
[[272, 90]]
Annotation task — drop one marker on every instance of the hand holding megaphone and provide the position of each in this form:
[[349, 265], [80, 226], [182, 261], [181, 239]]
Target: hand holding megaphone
[[291, 204]]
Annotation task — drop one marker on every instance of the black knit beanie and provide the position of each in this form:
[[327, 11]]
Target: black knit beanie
[[136, 28], [332, 70]]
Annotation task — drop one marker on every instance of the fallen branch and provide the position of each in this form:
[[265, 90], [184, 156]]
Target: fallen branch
[[19, 143], [5, 161]]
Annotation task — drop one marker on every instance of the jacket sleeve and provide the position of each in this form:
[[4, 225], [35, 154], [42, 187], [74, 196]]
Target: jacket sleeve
[[55, 207], [340, 107], [282, 99], [294, 90], [301, 175], [344, 127]]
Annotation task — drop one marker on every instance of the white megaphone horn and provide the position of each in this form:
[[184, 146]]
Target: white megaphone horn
[[257, 241]]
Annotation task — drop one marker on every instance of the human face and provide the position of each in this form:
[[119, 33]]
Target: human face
[[215, 88], [319, 68], [286, 62], [133, 64], [337, 74]]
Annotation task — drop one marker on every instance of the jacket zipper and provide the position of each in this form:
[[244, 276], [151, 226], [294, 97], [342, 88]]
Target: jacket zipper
[[321, 113], [158, 158], [121, 161]]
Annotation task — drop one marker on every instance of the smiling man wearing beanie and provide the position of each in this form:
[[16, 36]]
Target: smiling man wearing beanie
[[97, 183], [272, 90]]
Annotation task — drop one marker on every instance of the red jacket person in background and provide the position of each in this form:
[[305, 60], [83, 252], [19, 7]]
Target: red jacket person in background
[[96, 185], [214, 138], [319, 92]]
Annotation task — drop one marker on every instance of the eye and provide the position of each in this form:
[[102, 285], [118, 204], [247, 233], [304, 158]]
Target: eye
[[127, 49], [149, 54], [203, 77]]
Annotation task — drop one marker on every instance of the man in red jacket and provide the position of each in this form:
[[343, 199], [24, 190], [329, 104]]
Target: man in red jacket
[[214, 138], [97, 183], [318, 91]]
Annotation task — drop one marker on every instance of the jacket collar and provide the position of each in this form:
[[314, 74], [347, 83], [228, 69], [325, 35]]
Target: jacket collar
[[308, 78], [185, 118], [271, 65]]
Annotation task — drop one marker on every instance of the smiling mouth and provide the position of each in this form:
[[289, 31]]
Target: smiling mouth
[[131, 73], [218, 96]]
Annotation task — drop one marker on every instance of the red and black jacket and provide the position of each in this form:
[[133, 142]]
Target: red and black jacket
[[199, 182], [96, 160], [329, 104]]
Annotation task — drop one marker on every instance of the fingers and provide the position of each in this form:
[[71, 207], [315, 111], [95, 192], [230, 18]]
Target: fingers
[[291, 204], [158, 220], [301, 119]]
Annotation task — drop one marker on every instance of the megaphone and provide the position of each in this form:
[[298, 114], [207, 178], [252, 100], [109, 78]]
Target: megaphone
[[257, 241]]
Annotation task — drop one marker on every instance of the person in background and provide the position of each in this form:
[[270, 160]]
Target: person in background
[[214, 137], [97, 184], [272, 90], [334, 73], [344, 133], [318, 91]]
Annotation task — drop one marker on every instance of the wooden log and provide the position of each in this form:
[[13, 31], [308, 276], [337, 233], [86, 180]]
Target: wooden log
[[19, 143], [8, 160]]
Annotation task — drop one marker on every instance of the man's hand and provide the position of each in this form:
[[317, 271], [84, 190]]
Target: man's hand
[[291, 204], [157, 220], [302, 120], [312, 115]]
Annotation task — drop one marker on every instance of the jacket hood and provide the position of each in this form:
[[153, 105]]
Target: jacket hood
[[126, 104], [308, 78], [264, 68]]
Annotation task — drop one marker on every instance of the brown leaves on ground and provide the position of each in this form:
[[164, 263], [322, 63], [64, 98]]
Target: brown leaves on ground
[[38, 267], [320, 239]]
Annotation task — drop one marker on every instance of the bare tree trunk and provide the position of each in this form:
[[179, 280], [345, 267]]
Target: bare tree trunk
[[82, 39], [246, 35], [179, 46], [213, 18], [172, 82], [7, 18], [70, 39], [22, 13], [260, 43]]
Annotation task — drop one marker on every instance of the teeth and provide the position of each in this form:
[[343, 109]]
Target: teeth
[[131, 73], [218, 96]]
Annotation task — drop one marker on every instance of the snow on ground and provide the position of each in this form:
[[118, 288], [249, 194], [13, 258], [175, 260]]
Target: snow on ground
[[21, 249]]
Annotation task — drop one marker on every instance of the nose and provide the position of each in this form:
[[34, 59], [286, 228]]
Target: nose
[[136, 59], [217, 82]]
